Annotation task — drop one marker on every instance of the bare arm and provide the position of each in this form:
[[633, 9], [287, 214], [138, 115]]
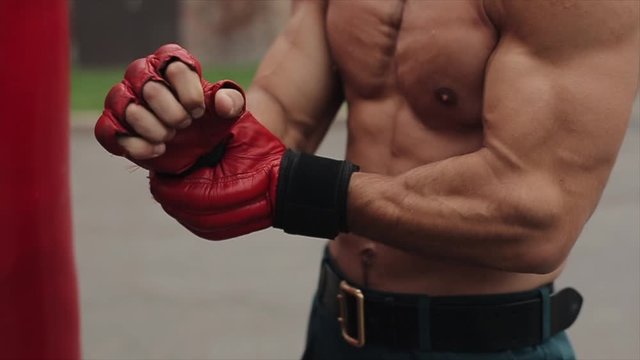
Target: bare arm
[[558, 94], [296, 92]]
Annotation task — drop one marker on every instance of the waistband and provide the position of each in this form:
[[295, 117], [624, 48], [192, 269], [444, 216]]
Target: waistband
[[474, 323]]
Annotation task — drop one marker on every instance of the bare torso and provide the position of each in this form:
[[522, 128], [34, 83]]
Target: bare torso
[[413, 76]]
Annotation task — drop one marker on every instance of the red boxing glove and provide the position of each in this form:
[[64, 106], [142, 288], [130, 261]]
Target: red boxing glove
[[232, 197], [256, 183], [223, 178], [189, 144]]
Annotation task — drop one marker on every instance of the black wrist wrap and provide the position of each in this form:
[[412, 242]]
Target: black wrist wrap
[[312, 195]]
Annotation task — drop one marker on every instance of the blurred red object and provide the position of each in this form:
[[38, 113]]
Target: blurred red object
[[38, 294]]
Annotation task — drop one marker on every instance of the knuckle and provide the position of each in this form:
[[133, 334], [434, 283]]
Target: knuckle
[[132, 114], [137, 72], [136, 66], [138, 149], [171, 52], [118, 98], [191, 101], [237, 97], [177, 117], [107, 131], [152, 90], [116, 91], [140, 120], [129, 144], [156, 133], [237, 100], [169, 48], [176, 69], [146, 127]]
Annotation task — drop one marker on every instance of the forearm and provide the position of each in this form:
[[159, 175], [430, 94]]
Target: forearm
[[269, 110], [462, 209], [302, 132], [296, 91]]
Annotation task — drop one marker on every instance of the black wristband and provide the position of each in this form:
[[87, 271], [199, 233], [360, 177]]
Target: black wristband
[[312, 195]]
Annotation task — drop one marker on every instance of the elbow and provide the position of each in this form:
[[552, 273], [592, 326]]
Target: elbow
[[544, 256], [545, 250], [543, 242]]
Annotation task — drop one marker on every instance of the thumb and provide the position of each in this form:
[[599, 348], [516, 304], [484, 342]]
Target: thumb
[[228, 103]]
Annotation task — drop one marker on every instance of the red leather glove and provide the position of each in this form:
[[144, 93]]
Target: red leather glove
[[189, 144], [256, 183], [224, 178], [235, 196]]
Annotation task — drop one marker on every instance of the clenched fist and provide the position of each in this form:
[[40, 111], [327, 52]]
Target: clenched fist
[[212, 165], [163, 116]]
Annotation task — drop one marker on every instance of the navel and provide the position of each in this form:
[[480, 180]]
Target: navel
[[446, 96], [367, 256]]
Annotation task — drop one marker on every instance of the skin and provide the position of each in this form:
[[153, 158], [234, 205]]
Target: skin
[[485, 131]]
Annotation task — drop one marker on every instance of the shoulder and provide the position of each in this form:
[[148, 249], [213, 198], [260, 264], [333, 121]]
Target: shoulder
[[567, 24]]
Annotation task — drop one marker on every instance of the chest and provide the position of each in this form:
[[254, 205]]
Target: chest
[[433, 53]]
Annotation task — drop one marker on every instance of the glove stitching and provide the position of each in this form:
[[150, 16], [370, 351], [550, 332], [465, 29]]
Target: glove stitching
[[204, 180], [189, 210], [190, 224], [217, 230]]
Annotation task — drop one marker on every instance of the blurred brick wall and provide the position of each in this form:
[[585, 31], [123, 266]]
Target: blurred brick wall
[[231, 31], [115, 32]]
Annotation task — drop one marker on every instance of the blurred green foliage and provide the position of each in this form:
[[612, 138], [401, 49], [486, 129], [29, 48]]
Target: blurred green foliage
[[90, 86]]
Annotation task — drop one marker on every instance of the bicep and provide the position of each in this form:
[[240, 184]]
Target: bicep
[[554, 120], [296, 90]]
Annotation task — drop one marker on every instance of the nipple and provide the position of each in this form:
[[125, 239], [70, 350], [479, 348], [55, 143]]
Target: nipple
[[446, 96]]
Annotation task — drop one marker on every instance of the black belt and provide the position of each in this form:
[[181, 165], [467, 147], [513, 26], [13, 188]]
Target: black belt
[[483, 323]]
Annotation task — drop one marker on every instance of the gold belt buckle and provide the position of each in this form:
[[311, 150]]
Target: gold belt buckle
[[347, 290]]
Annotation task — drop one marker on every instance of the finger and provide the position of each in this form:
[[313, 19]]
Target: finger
[[147, 125], [186, 83], [165, 106], [141, 149], [229, 103]]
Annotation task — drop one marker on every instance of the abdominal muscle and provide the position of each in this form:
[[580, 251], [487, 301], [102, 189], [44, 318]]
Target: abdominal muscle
[[413, 77], [402, 144], [377, 266]]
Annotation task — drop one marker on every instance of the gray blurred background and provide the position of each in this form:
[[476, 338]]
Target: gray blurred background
[[218, 32], [151, 290]]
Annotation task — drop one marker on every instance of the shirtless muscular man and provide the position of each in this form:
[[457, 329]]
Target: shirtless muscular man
[[483, 132]]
